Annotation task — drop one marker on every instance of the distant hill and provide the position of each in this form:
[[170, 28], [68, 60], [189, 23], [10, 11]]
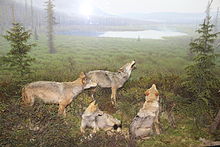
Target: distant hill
[[98, 17], [168, 17]]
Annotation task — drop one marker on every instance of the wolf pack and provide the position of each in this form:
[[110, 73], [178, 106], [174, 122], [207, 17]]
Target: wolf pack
[[144, 124]]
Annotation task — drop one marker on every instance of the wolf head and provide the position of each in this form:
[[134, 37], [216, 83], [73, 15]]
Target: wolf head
[[103, 120], [127, 68], [152, 94], [92, 108], [86, 81]]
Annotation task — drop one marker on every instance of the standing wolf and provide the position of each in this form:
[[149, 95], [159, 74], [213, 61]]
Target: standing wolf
[[113, 80], [61, 93], [97, 119], [147, 118]]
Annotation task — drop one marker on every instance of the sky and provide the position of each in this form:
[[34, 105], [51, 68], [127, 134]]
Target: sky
[[87, 7]]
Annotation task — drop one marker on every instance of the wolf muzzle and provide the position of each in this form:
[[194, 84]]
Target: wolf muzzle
[[115, 127]]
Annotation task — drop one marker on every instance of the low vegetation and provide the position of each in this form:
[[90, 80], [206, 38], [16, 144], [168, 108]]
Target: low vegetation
[[161, 62]]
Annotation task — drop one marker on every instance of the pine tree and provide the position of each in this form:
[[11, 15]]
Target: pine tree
[[201, 74], [50, 23], [17, 59]]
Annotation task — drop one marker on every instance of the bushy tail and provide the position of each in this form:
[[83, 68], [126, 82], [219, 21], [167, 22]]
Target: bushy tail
[[23, 97], [132, 141]]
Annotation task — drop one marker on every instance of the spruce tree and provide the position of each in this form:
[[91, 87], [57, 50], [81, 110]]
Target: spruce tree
[[201, 80], [17, 59]]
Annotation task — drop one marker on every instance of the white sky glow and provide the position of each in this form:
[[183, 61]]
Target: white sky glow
[[86, 9], [130, 6]]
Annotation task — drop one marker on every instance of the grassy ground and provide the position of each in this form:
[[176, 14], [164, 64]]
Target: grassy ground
[[158, 61], [75, 54]]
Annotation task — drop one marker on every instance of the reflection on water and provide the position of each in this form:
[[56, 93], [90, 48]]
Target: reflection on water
[[147, 34]]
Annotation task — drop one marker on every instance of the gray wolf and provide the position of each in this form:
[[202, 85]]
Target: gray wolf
[[147, 117], [61, 93], [97, 119], [113, 80]]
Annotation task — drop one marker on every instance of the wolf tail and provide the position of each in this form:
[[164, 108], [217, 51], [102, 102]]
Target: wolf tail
[[23, 96]]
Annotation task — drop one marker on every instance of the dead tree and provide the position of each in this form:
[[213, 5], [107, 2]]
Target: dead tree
[[32, 17], [13, 13], [216, 21], [208, 10], [50, 24]]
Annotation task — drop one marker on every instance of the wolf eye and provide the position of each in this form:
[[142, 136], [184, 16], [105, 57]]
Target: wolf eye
[[99, 114]]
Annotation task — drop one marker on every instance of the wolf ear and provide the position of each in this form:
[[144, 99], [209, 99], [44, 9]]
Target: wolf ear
[[147, 92], [121, 69], [92, 107], [154, 86], [93, 103], [82, 75]]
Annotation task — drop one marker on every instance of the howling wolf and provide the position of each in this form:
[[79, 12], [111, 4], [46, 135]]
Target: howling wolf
[[147, 118], [113, 80]]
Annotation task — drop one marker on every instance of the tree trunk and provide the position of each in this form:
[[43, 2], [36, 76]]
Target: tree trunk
[[35, 33], [13, 13], [32, 17], [216, 21], [50, 23]]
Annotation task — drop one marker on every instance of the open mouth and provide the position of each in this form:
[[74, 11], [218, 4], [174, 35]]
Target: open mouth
[[133, 65]]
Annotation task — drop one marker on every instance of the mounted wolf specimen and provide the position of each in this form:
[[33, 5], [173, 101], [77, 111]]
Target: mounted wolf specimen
[[61, 93], [97, 119], [113, 80], [146, 121]]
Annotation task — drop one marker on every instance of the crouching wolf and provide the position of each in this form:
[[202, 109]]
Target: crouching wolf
[[147, 118], [97, 119], [113, 80], [61, 93]]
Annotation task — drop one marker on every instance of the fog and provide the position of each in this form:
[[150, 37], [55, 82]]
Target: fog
[[129, 6], [106, 15]]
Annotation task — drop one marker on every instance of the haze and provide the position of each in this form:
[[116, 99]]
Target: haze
[[129, 6]]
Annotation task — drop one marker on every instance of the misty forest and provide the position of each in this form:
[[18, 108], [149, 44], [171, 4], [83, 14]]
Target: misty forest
[[117, 73]]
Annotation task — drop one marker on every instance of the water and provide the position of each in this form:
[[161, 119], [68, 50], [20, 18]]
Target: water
[[147, 34]]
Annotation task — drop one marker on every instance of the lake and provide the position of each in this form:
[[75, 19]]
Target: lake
[[147, 34]]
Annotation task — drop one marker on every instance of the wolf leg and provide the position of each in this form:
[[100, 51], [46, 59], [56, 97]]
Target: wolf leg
[[157, 126], [93, 91], [61, 110], [113, 95], [95, 129], [62, 106], [82, 127]]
